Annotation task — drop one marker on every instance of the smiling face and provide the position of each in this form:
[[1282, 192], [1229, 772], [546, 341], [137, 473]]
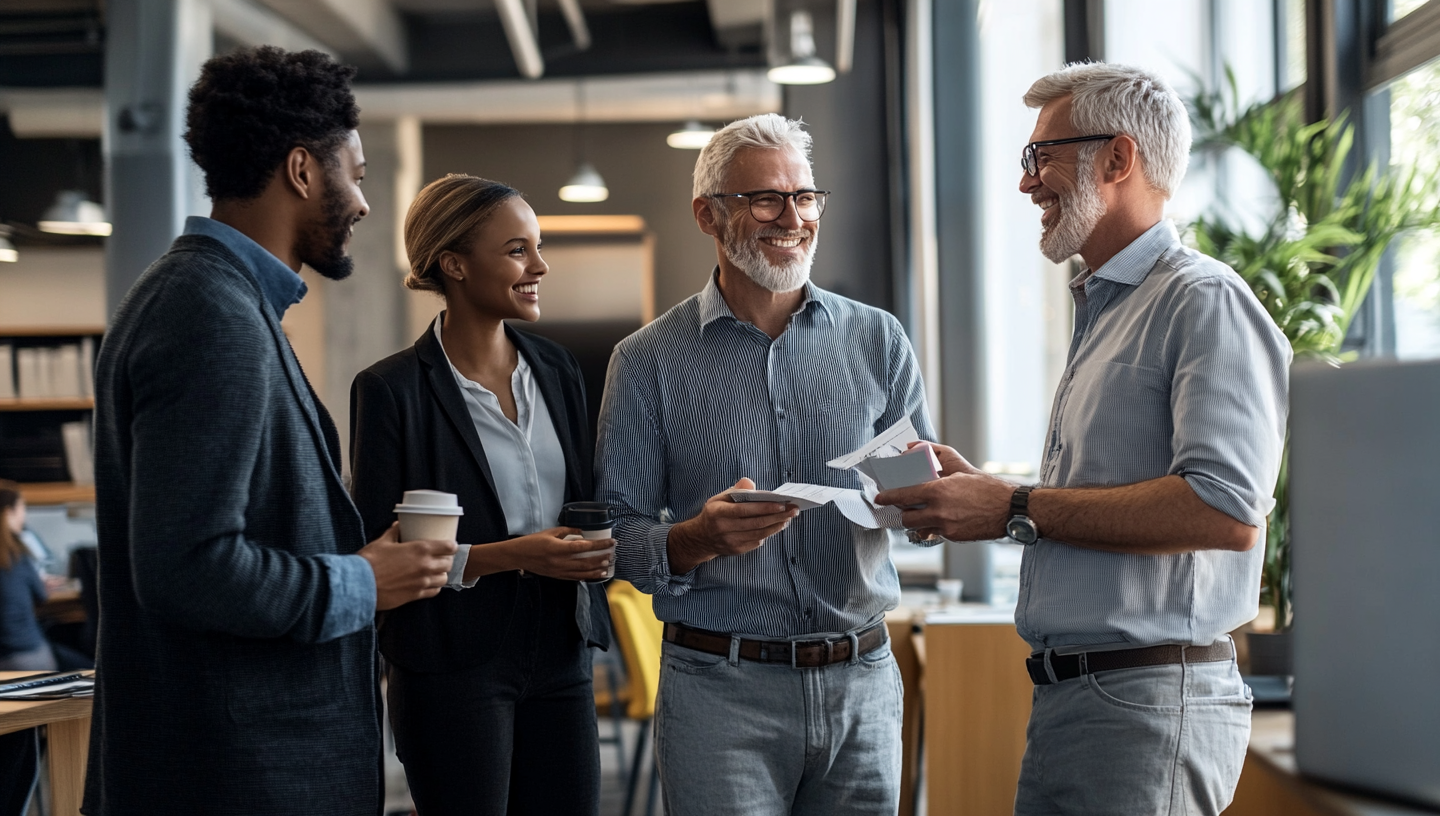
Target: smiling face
[[499, 276], [775, 255], [1065, 188], [325, 239]]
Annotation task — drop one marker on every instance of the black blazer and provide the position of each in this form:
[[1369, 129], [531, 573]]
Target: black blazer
[[221, 689], [410, 430]]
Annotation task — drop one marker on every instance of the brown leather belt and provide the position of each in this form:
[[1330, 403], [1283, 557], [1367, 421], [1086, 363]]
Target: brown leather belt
[[1068, 667], [801, 654]]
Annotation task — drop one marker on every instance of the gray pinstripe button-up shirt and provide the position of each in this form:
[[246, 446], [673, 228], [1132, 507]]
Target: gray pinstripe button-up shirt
[[698, 399], [1174, 369]]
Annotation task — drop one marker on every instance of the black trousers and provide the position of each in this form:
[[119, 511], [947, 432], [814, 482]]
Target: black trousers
[[514, 736]]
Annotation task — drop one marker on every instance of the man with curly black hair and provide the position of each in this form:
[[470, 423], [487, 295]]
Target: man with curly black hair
[[237, 591]]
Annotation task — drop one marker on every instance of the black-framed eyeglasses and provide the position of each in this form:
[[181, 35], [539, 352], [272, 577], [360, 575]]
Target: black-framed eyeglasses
[[769, 205], [1031, 163]]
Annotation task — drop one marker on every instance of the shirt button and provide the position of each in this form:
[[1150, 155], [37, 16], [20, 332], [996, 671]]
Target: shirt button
[[808, 611], [780, 412], [789, 474], [794, 560]]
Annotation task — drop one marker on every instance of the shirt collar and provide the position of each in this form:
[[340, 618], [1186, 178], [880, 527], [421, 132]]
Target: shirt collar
[[714, 307], [1131, 265], [280, 284], [522, 368]]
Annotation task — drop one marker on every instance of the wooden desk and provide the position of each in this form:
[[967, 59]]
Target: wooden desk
[[1271, 785], [68, 724], [976, 706]]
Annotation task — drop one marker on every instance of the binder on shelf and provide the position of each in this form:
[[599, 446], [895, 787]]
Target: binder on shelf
[[7, 371], [32, 384], [79, 459], [65, 376], [87, 367]]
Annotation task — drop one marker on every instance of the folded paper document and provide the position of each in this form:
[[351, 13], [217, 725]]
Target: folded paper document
[[883, 464]]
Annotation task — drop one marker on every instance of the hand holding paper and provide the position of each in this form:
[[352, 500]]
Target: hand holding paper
[[961, 506], [725, 527]]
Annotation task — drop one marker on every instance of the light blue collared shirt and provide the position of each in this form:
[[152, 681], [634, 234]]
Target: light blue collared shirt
[[698, 399], [352, 581], [281, 285], [1174, 369]]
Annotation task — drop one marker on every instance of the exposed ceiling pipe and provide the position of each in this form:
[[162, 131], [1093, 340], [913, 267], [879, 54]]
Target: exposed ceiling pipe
[[844, 35], [575, 19], [522, 38]]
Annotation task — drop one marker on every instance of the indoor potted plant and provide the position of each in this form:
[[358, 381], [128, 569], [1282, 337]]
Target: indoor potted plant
[[1311, 264]]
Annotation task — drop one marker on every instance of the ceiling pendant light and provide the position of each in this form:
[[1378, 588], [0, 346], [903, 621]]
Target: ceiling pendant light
[[7, 249], [804, 67], [585, 187], [692, 136], [74, 214]]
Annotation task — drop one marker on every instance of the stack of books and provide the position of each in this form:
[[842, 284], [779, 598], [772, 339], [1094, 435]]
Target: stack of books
[[47, 372]]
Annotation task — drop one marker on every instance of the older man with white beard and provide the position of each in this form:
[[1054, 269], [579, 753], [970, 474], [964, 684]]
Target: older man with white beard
[[778, 693], [1163, 449]]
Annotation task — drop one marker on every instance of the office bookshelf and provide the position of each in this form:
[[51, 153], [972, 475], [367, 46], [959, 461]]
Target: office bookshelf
[[31, 438]]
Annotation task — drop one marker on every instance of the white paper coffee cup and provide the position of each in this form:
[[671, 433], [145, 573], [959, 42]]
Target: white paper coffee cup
[[429, 514], [597, 535]]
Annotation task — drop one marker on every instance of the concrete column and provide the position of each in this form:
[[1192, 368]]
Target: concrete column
[[154, 50], [365, 315]]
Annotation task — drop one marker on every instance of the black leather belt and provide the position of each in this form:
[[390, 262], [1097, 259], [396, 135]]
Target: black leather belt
[[1069, 667], [808, 654]]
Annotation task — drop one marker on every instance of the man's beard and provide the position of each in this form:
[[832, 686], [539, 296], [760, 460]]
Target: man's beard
[[322, 245], [747, 255], [1080, 210]]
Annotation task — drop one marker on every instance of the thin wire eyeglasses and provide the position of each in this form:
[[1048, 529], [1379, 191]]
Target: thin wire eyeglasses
[[1031, 164], [769, 205]]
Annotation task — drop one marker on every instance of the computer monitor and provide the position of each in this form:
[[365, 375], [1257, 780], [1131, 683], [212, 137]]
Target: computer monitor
[[1365, 513]]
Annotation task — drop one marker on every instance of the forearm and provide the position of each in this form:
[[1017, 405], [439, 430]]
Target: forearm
[[1156, 517], [488, 559], [685, 549]]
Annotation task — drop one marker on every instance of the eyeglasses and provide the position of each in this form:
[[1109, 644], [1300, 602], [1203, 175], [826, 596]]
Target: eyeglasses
[[769, 205], [1031, 163]]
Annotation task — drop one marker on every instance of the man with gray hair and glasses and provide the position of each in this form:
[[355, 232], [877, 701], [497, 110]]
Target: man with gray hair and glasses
[[1162, 453], [778, 693]]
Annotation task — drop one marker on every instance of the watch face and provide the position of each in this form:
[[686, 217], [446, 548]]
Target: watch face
[[1022, 530]]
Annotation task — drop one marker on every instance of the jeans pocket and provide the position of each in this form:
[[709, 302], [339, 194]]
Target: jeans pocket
[[1151, 689], [877, 658], [690, 661]]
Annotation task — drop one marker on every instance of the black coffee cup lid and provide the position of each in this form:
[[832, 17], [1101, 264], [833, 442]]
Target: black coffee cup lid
[[586, 515]]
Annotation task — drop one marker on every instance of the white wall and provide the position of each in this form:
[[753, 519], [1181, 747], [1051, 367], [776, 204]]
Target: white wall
[[53, 287]]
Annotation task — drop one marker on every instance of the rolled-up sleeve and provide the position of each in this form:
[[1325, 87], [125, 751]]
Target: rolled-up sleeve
[[1229, 398], [631, 476]]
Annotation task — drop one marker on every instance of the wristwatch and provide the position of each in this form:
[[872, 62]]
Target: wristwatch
[[1020, 527]]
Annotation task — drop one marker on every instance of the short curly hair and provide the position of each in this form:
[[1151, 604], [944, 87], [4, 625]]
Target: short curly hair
[[253, 106]]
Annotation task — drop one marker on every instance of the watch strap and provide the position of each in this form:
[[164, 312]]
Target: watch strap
[[1020, 501]]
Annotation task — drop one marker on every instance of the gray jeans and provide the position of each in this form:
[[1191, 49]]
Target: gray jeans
[[738, 737], [1153, 740]]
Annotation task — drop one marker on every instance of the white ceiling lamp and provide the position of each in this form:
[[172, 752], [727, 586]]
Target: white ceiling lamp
[[586, 186], [692, 136], [74, 214], [7, 249], [804, 67]]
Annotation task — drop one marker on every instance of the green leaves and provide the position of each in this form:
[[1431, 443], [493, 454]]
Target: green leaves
[[1314, 262]]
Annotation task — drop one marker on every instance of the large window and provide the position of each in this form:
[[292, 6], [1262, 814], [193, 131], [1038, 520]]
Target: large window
[[1414, 138], [1415, 142]]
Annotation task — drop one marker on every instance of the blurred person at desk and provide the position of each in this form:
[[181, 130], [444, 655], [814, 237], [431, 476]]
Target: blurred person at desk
[[1162, 456], [237, 591], [23, 645], [489, 682], [778, 692]]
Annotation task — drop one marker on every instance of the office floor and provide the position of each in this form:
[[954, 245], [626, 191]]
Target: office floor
[[612, 783]]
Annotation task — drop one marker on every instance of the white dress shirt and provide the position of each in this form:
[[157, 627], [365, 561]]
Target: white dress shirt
[[525, 456]]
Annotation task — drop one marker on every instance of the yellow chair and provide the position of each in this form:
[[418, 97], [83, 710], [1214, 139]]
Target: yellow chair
[[639, 633]]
